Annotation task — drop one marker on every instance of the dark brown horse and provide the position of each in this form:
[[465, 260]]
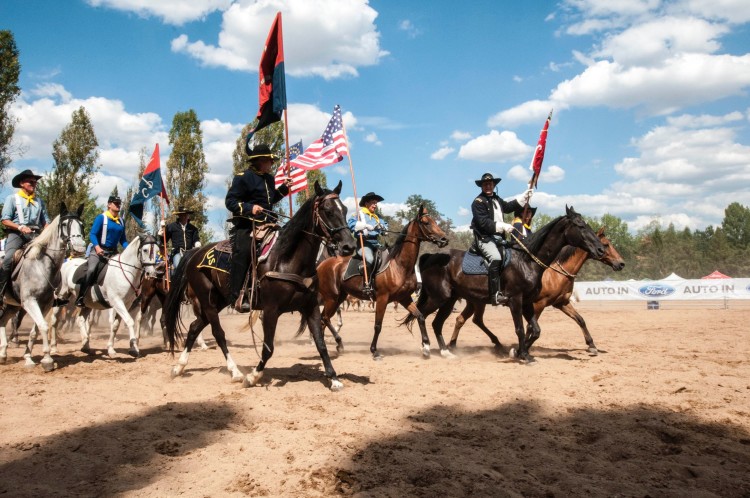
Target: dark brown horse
[[285, 282], [557, 287], [396, 283], [444, 281]]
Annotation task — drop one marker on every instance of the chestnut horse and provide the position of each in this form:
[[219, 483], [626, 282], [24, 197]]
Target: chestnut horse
[[443, 280], [395, 283], [285, 282], [557, 287]]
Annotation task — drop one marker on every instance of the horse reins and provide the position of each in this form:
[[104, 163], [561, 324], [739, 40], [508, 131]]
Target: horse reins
[[561, 271]]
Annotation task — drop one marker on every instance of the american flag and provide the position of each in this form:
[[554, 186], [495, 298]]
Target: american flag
[[299, 176], [328, 149]]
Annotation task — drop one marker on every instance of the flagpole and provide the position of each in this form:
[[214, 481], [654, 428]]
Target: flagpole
[[286, 154], [359, 213], [534, 175], [164, 235]]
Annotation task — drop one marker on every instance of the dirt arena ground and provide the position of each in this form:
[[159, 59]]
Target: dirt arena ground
[[663, 410]]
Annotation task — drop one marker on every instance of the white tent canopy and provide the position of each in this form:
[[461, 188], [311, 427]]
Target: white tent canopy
[[673, 277]]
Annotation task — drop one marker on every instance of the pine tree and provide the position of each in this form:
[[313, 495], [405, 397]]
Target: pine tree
[[76, 154], [10, 70]]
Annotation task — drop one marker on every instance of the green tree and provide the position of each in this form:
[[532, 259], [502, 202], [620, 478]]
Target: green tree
[[187, 168], [75, 154], [736, 225], [10, 70]]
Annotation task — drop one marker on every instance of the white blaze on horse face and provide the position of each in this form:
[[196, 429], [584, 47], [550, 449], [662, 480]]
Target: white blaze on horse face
[[75, 235], [148, 259]]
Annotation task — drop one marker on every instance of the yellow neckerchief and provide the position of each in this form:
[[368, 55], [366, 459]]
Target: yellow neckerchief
[[519, 220], [112, 217], [367, 211], [24, 195]]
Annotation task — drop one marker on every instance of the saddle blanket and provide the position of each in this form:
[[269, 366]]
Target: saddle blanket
[[474, 264], [219, 257], [354, 268]]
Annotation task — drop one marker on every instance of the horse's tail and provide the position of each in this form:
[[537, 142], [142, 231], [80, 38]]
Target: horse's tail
[[173, 302], [302, 327]]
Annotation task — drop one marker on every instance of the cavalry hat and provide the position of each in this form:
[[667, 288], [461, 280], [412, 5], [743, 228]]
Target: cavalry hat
[[182, 210], [261, 150], [519, 211], [114, 198], [370, 196], [487, 177], [16, 182]]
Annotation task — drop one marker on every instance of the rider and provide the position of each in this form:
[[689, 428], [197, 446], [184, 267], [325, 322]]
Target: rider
[[23, 214], [251, 198], [107, 231], [521, 223], [490, 229], [367, 227], [183, 234]]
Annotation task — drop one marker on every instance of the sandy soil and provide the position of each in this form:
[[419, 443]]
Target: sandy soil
[[662, 411]]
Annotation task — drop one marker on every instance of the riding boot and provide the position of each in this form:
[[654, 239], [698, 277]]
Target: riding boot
[[4, 277], [493, 279], [242, 304], [82, 291]]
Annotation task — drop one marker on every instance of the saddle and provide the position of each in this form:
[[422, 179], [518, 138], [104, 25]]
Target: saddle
[[80, 275], [475, 264], [220, 256], [356, 265]]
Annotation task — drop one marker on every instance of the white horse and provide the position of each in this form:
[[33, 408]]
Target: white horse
[[119, 288], [36, 277]]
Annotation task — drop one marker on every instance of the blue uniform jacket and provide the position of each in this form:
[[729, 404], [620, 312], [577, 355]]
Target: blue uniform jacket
[[251, 188], [115, 233], [371, 239]]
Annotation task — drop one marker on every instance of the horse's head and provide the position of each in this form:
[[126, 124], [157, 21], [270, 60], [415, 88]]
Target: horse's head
[[580, 234], [611, 256], [147, 254], [71, 228], [329, 217], [429, 229]]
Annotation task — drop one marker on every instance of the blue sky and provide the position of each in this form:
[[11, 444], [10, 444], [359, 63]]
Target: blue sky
[[650, 97]]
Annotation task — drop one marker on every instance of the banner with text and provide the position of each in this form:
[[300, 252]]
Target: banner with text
[[663, 290]]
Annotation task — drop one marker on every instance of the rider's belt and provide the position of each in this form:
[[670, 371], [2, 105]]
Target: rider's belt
[[108, 249]]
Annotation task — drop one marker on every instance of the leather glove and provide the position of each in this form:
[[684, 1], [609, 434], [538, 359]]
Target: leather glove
[[502, 227], [163, 223], [359, 226], [197, 243], [365, 232], [527, 196], [370, 227]]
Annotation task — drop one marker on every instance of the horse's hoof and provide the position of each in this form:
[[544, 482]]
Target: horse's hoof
[[425, 351], [377, 357], [54, 351], [111, 352], [593, 351], [336, 385], [29, 364], [176, 371], [204, 347], [512, 353], [252, 379], [447, 354], [48, 366], [339, 348], [452, 345], [134, 352], [237, 377]]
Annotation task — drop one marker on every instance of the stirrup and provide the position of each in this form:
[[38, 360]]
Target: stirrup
[[241, 305], [79, 302], [498, 299], [368, 290]]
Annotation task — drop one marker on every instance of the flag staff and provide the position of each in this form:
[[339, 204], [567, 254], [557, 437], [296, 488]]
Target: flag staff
[[354, 188], [536, 160], [164, 236], [286, 154]]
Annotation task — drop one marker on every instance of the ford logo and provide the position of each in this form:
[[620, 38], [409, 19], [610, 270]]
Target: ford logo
[[747, 288], [655, 290]]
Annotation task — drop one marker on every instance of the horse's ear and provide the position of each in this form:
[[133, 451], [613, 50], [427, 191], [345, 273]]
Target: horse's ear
[[600, 233], [80, 210], [63, 208], [337, 190], [569, 210], [420, 212], [318, 190]]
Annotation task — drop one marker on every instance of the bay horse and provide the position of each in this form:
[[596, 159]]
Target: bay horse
[[37, 276], [396, 283], [285, 282], [443, 280], [557, 287], [119, 287]]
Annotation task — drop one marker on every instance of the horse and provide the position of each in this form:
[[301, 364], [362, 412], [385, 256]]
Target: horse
[[119, 287], [395, 282], [557, 287], [443, 280], [285, 282], [37, 276]]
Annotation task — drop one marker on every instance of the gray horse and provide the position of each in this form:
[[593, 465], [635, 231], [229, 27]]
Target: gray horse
[[36, 278]]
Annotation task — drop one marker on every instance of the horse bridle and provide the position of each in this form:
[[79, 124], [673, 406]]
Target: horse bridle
[[64, 229], [328, 231], [424, 235]]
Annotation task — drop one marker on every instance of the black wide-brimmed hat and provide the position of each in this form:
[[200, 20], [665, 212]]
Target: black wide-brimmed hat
[[260, 150], [370, 196], [115, 199], [519, 211], [182, 210], [487, 177], [16, 182]]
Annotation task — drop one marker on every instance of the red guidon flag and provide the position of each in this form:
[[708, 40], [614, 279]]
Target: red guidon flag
[[536, 161]]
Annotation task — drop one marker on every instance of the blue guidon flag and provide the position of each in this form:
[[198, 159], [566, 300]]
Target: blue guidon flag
[[150, 186], [272, 88]]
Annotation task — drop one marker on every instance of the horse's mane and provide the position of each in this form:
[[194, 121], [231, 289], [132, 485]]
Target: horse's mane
[[399, 244], [535, 241], [292, 231], [41, 241], [566, 253]]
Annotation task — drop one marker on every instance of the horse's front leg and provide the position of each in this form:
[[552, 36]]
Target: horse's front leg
[[478, 320], [569, 310], [533, 331], [313, 323], [443, 312], [515, 304], [3, 341], [121, 313], [329, 308], [40, 327], [84, 327], [380, 307], [270, 319]]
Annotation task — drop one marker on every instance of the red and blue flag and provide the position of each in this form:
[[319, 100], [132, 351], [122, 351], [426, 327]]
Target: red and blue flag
[[150, 186]]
